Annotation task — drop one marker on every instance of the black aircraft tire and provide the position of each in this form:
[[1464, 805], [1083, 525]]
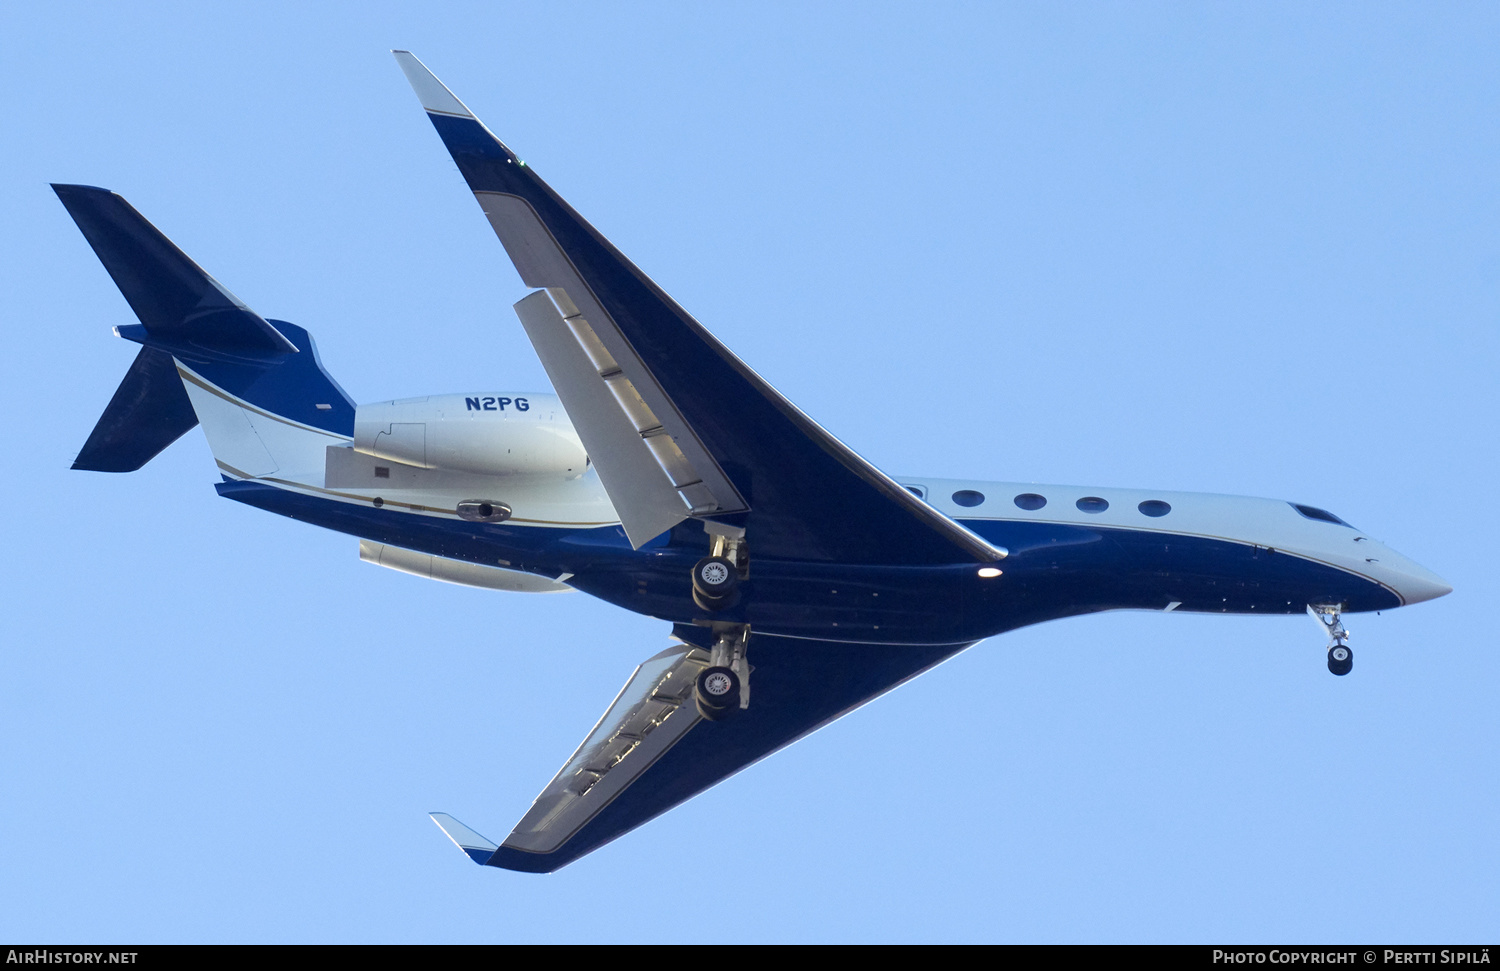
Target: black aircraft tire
[[716, 714], [1340, 665], [716, 583], [714, 605], [718, 693]]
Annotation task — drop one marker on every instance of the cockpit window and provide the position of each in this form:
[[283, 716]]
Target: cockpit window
[[1321, 515]]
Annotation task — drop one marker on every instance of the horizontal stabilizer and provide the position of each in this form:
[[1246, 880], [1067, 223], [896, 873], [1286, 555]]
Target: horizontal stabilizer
[[477, 847], [150, 410], [184, 311]]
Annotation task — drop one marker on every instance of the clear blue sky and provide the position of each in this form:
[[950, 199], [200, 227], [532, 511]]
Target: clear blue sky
[[1244, 248]]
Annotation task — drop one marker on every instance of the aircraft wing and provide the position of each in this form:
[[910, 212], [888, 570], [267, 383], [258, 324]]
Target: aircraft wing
[[652, 750], [675, 423]]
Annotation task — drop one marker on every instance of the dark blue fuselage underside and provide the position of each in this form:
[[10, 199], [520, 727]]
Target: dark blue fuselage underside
[[1054, 570]]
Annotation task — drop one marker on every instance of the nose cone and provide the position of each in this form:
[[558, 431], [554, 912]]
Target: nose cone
[[1416, 583], [1412, 581]]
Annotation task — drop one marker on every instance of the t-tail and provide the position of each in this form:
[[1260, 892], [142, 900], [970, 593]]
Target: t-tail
[[255, 385]]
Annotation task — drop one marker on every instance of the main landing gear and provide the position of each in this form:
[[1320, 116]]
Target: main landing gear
[[723, 688], [716, 583], [1329, 618], [716, 577]]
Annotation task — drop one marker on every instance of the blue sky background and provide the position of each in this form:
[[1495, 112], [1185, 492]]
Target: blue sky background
[[1231, 248]]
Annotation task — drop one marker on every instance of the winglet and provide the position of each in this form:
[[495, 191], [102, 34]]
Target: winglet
[[433, 93], [477, 847]]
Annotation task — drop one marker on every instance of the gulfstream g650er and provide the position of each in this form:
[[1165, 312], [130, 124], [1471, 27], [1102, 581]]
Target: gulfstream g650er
[[665, 476]]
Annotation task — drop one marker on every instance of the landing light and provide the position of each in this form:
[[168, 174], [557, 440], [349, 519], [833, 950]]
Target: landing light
[[988, 571]]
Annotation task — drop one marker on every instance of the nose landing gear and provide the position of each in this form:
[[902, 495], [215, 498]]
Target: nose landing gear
[[1329, 618]]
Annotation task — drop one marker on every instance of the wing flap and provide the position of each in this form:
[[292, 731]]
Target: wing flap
[[651, 714], [649, 495], [648, 410], [542, 263]]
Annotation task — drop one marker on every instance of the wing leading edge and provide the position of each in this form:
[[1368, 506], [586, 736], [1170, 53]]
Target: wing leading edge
[[652, 750], [677, 425]]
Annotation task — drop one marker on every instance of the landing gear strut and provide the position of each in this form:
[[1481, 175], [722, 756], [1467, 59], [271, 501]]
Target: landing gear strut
[[1329, 618], [716, 577]]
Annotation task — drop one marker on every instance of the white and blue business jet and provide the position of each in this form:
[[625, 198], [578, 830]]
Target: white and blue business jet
[[665, 476]]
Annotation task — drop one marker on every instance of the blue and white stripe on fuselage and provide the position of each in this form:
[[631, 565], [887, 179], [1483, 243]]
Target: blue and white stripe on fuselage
[[1230, 543]]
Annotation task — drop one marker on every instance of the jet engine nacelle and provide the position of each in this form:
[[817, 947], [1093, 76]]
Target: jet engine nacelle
[[487, 434]]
